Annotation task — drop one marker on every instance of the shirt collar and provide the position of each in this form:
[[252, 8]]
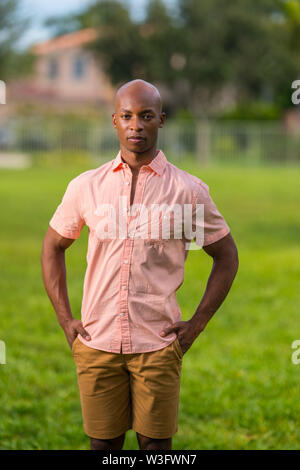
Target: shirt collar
[[157, 164]]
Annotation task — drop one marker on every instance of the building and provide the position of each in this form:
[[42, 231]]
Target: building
[[66, 75]]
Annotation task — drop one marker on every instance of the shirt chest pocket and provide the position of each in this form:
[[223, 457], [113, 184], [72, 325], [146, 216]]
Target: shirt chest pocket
[[147, 262], [160, 230], [157, 265], [103, 226]]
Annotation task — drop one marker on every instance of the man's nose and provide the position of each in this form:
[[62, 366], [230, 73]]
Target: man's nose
[[136, 124]]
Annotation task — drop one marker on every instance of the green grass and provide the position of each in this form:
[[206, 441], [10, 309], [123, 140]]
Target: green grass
[[239, 388]]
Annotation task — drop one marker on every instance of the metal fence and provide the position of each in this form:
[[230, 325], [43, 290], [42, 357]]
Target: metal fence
[[208, 142]]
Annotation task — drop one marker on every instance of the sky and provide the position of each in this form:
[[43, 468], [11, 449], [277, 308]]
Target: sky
[[39, 10]]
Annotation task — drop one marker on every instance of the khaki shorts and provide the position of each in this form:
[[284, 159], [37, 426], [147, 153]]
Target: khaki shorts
[[137, 391]]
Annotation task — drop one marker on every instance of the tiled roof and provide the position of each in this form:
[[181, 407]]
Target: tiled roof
[[75, 39]]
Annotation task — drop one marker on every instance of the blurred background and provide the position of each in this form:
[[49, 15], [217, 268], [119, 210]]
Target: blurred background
[[225, 71]]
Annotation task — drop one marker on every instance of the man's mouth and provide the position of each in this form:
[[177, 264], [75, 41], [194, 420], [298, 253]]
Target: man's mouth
[[136, 139]]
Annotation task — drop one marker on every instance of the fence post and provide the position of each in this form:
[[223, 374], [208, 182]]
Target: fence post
[[203, 141]]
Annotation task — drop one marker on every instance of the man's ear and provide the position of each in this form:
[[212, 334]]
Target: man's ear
[[162, 119], [114, 119]]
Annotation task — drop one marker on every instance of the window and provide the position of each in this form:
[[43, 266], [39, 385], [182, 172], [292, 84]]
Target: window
[[52, 68], [79, 67]]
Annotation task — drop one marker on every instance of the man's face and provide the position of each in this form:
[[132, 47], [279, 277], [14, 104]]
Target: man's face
[[137, 118]]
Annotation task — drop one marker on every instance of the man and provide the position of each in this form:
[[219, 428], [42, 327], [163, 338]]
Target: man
[[129, 346]]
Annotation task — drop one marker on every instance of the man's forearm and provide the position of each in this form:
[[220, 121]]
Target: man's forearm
[[54, 277], [218, 285]]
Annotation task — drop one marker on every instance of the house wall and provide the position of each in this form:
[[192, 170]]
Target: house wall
[[93, 86]]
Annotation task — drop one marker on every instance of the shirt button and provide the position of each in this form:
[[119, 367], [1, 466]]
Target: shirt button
[[124, 287], [121, 314], [127, 182], [126, 261]]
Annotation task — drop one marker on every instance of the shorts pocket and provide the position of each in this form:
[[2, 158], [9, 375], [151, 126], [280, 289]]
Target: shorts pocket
[[73, 344], [178, 348]]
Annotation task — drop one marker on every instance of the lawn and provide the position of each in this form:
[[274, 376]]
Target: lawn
[[239, 388]]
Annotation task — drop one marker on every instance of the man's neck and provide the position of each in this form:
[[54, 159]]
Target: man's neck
[[137, 160]]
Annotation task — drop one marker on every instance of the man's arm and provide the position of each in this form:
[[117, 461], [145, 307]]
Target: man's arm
[[54, 277], [225, 266]]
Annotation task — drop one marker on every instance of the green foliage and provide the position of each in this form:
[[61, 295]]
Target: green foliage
[[255, 110], [291, 12], [233, 43], [184, 115], [196, 49], [207, 44], [118, 46], [12, 27], [62, 24]]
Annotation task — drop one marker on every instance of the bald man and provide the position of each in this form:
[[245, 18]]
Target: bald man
[[129, 345]]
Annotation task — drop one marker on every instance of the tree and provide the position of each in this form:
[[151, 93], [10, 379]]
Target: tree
[[291, 12], [62, 24], [201, 48], [119, 46], [12, 27], [152, 49], [163, 43], [239, 43]]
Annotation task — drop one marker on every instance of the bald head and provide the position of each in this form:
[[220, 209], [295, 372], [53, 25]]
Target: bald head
[[138, 116], [138, 91]]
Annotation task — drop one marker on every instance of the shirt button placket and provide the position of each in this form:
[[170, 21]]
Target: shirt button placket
[[125, 267]]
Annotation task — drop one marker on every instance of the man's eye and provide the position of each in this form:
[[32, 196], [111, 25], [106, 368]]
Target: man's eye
[[125, 116], [148, 116]]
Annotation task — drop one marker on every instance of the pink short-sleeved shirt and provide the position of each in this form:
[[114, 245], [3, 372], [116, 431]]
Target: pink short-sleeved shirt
[[130, 283]]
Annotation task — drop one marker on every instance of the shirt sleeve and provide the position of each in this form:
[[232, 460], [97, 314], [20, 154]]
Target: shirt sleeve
[[67, 219], [207, 219]]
